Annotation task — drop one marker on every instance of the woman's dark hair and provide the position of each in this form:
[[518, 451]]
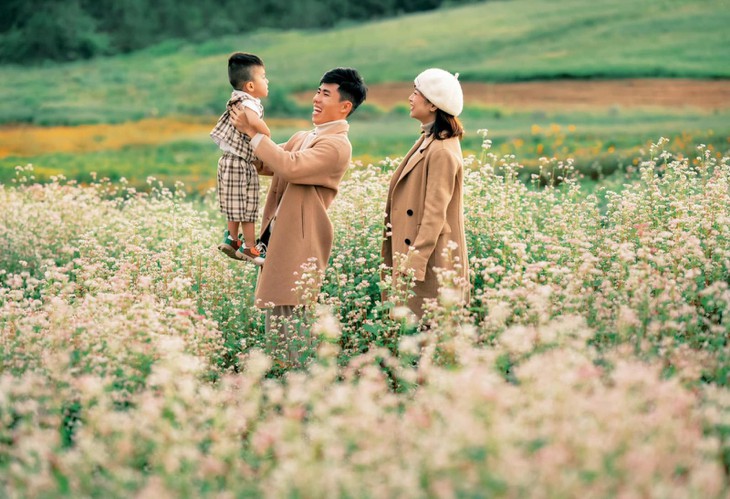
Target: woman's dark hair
[[446, 126], [239, 68], [351, 85]]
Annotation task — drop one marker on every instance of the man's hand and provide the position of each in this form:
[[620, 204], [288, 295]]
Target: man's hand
[[240, 121]]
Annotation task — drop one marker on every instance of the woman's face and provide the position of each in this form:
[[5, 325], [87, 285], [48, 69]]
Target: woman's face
[[421, 108]]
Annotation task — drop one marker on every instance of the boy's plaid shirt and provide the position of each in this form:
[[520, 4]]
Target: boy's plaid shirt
[[225, 134]]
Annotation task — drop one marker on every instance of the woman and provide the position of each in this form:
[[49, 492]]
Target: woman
[[424, 216]]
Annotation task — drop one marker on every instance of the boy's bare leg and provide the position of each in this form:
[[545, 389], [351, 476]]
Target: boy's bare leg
[[249, 233], [248, 250], [233, 230], [231, 245]]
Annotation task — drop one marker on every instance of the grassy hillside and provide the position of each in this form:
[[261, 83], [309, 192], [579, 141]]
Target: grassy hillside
[[492, 41], [499, 40], [599, 143]]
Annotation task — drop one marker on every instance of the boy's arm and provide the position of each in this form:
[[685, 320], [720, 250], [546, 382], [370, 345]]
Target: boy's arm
[[256, 123]]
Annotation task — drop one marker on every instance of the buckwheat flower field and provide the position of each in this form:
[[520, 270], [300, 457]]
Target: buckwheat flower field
[[592, 361]]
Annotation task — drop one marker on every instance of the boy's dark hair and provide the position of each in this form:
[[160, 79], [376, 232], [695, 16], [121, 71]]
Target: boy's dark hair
[[446, 126], [239, 68], [351, 85]]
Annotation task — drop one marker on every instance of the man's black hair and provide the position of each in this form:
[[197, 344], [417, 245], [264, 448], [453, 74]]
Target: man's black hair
[[351, 85], [239, 68]]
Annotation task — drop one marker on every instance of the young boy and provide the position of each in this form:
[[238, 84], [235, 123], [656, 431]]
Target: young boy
[[238, 182]]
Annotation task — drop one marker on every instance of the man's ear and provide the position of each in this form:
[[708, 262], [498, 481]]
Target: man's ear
[[346, 106]]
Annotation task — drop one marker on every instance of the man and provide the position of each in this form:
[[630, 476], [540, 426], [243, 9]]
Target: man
[[307, 171]]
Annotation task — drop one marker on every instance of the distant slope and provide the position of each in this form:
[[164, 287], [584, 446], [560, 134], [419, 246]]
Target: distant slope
[[492, 41]]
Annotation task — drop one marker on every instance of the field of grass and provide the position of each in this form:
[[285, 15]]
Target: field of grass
[[491, 41], [592, 361], [175, 151], [162, 97]]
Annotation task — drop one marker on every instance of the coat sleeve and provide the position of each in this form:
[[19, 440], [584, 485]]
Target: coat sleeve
[[261, 167], [440, 183], [320, 164]]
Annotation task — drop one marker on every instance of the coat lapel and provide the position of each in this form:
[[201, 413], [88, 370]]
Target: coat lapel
[[416, 157], [399, 171]]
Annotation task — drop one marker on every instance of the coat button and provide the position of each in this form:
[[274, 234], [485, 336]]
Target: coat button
[[408, 242], [409, 213]]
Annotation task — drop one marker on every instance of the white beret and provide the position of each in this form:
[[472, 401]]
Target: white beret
[[442, 89]]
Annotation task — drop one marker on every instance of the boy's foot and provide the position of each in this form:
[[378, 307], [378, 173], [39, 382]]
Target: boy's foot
[[250, 253], [262, 249], [229, 246]]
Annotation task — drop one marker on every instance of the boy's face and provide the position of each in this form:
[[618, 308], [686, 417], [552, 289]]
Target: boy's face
[[258, 86], [327, 106]]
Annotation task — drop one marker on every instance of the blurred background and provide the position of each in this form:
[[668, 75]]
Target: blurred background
[[131, 88]]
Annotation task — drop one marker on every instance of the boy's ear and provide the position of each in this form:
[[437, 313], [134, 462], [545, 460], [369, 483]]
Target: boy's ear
[[248, 86]]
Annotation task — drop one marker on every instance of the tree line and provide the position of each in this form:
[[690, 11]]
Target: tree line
[[65, 30]]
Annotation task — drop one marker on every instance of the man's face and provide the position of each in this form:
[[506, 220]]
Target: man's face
[[327, 106]]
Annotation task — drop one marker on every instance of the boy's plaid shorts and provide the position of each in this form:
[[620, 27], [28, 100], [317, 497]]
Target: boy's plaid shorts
[[238, 189]]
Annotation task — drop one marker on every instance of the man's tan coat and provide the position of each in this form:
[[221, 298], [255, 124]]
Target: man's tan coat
[[425, 211], [308, 181]]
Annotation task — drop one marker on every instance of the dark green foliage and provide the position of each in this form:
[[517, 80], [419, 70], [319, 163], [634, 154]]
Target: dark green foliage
[[38, 30], [48, 30]]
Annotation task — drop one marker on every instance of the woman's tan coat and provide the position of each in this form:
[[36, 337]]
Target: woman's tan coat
[[425, 211], [308, 180]]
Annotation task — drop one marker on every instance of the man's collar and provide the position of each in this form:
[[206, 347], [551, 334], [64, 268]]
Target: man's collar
[[330, 124], [331, 127]]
